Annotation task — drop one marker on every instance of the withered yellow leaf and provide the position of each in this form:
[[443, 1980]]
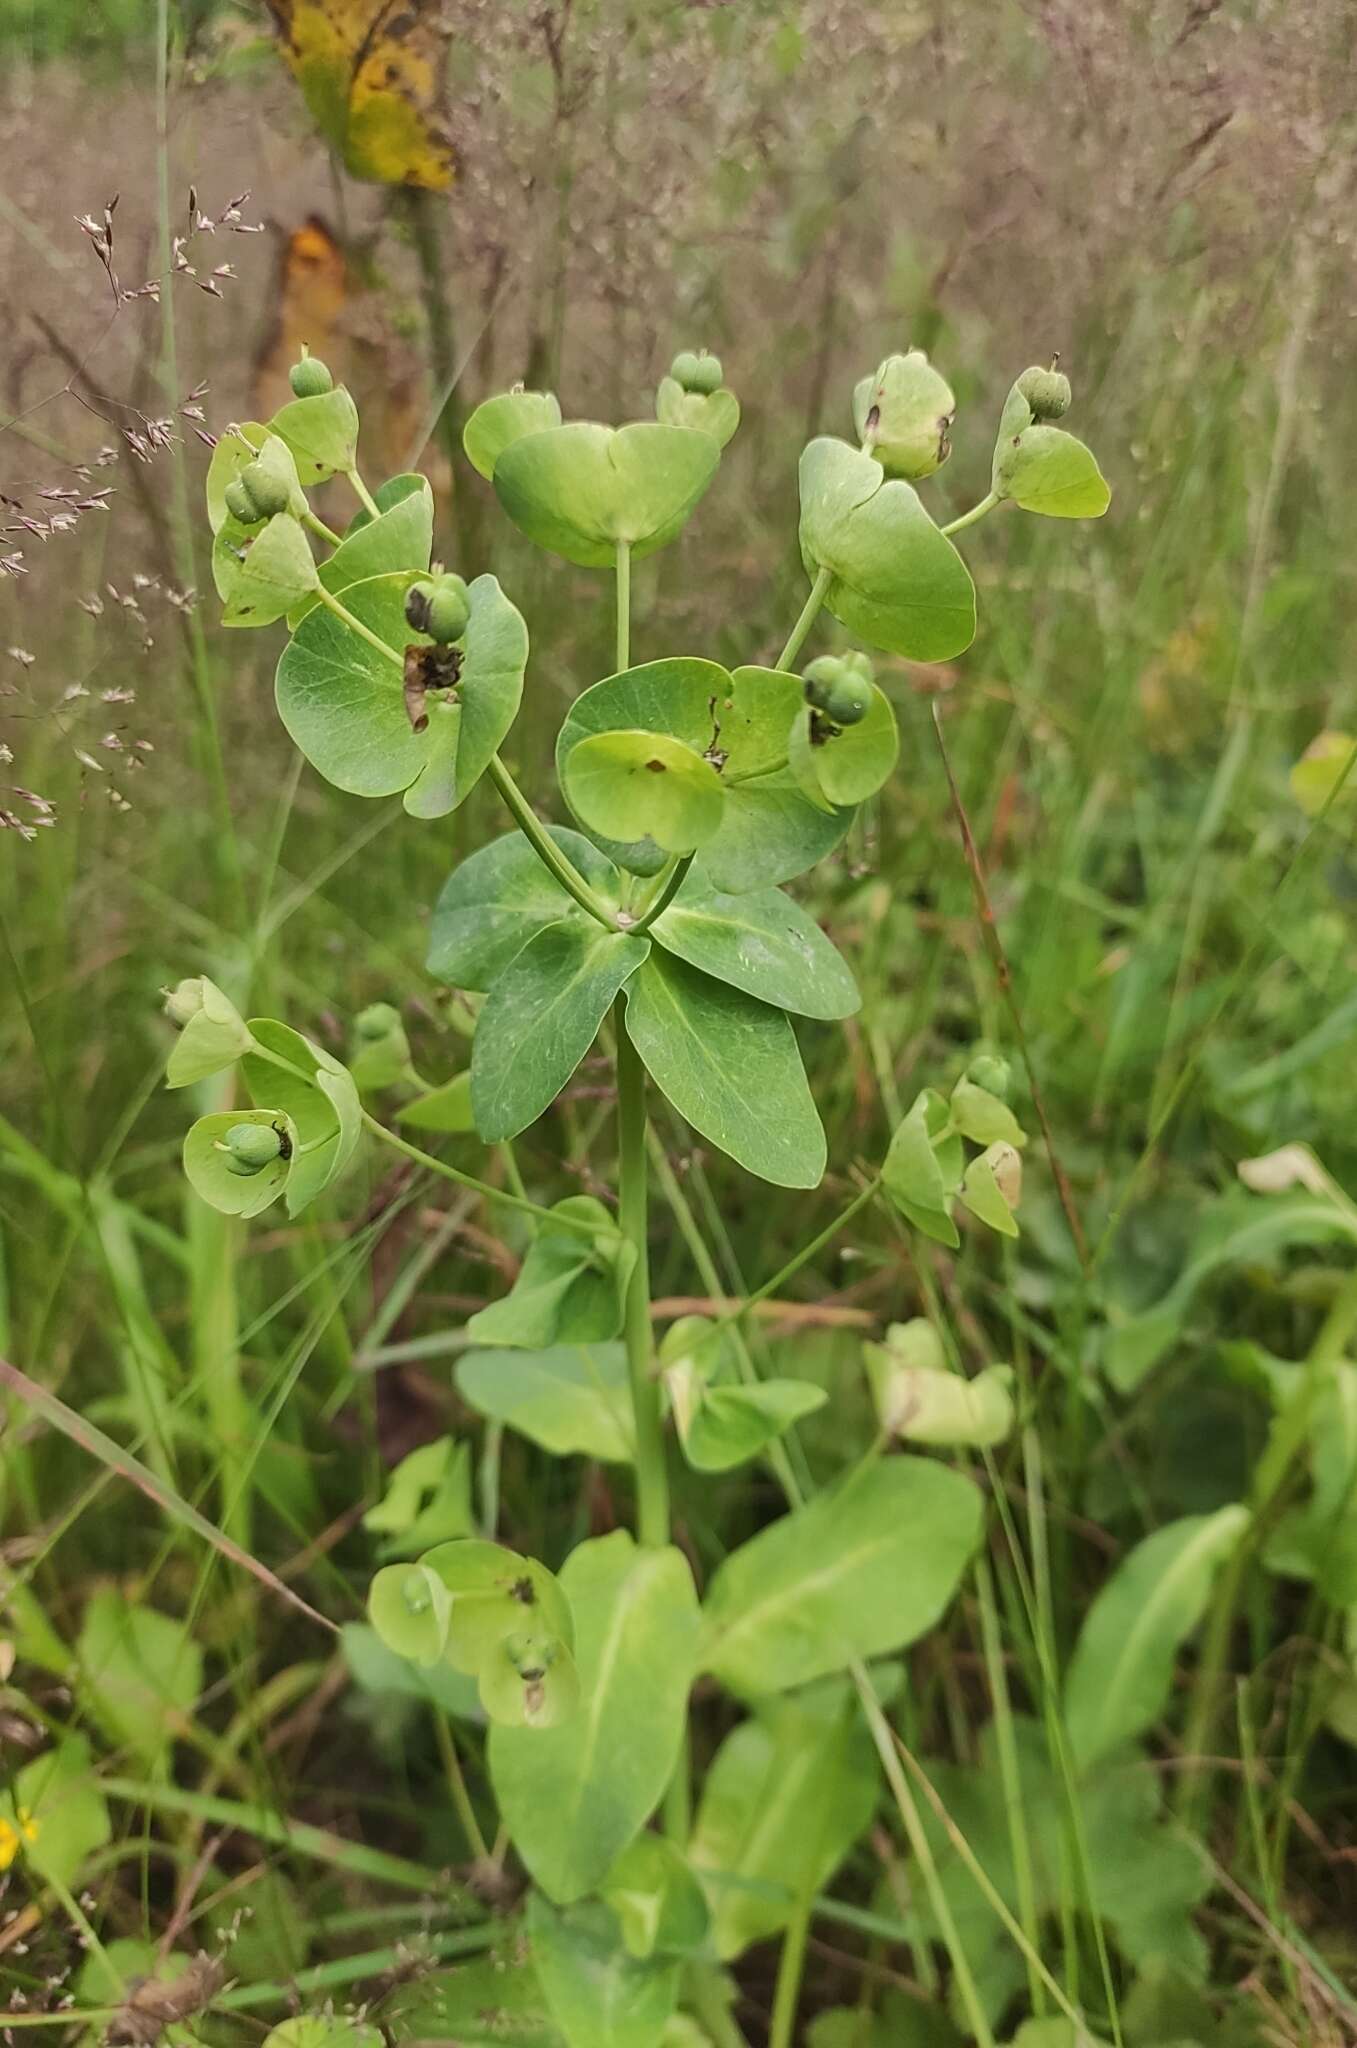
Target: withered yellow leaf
[[372, 74]]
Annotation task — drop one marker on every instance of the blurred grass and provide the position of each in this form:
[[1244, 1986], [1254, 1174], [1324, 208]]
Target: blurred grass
[[1180, 938]]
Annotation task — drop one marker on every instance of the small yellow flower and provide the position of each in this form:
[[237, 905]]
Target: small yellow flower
[[13, 1837]]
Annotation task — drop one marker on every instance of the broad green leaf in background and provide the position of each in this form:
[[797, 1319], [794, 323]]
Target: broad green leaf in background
[[541, 1017], [497, 422], [896, 580], [53, 1815], [1121, 1674], [573, 1400], [344, 703], [483, 2003], [568, 1291], [661, 1907], [721, 1427], [377, 1669], [599, 1993], [274, 572], [503, 896], [1318, 1540], [1047, 470], [630, 784], [578, 490], [731, 1068], [787, 1795], [761, 942], [917, 1397], [861, 1570], [1145, 1877], [573, 1797], [141, 1673], [740, 720], [400, 538], [446, 1108]]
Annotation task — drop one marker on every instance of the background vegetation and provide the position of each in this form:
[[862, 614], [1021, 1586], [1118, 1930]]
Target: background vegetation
[[1163, 193]]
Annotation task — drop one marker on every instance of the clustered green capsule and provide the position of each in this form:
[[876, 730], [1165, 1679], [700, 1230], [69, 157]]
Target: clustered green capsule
[[441, 608], [249, 1148], [696, 371], [1046, 391], [257, 493], [840, 687], [310, 377]]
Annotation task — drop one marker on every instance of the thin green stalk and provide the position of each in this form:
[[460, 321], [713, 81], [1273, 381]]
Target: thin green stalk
[[369, 503], [545, 847], [652, 1480], [469, 1180], [790, 1967], [319, 528], [819, 591], [461, 1798], [673, 881], [376, 1963], [804, 1256], [1024, 1884], [987, 504], [623, 605]]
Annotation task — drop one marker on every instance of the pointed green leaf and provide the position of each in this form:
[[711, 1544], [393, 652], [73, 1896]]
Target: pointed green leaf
[[984, 1118], [498, 422], [574, 1796], [1047, 470], [540, 1019], [427, 1500], [626, 785], [787, 1795], [712, 412], [503, 896], [861, 1570], [569, 1289], [727, 1426], [896, 580], [922, 1171], [322, 433], [344, 703], [982, 1192], [573, 1400], [578, 490], [1121, 1674], [600, 1995], [731, 1068], [759, 941], [275, 570]]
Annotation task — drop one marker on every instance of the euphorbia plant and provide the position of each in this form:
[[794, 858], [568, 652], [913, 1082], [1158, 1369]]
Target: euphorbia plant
[[658, 919]]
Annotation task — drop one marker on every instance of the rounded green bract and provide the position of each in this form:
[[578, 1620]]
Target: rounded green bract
[[1046, 391], [700, 373], [310, 378]]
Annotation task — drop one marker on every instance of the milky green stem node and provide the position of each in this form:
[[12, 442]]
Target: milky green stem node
[[1046, 391], [310, 378], [250, 1148], [904, 414], [697, 372], [440, 608]]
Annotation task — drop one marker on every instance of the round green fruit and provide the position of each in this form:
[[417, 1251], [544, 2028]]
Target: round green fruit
[[239, 503], [706, 375], [310, 378], [268, 493], [1046, 391], [250, 1148], [848, 701], [441, 608]]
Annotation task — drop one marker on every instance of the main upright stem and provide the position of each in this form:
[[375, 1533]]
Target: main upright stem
[[652, 1482]]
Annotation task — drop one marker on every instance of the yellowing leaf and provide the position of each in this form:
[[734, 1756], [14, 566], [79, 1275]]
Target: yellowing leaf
[[372, 73]]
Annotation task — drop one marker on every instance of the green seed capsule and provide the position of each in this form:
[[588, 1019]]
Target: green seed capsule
[[989, 1071], [707, 375], [684, 368], [1046, 391], [441, 609], [379, 1020], [848, 701], [904, 415], [250, 1148], [239, 503], [310, 378], [268, 493], [821, 679]]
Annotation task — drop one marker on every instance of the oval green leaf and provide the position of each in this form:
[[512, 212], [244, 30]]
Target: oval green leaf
[[1047, 470], [731, 1068], [572, 1399], [503, 896], [761, 942]]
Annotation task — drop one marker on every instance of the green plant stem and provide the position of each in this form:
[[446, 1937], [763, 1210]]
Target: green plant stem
[[1002, 1706], [623, 605], [318, 527], [804, 1256], [987, 504], [341, 611], [652, 1481], [468, 1180], [819, 590], [376, 1963], [369, 503], [673, 881], [461, 1798], [790, 1967], [545, 847]]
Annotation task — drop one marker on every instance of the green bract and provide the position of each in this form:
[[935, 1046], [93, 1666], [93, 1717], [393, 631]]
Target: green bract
[[498, 421], [348, 705], [322, 433], [894, 579], [903, 415], [581, 490], [400, 537], [715, 412], [272, 572], [1042, 468], [737, 720], [630, 784]]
